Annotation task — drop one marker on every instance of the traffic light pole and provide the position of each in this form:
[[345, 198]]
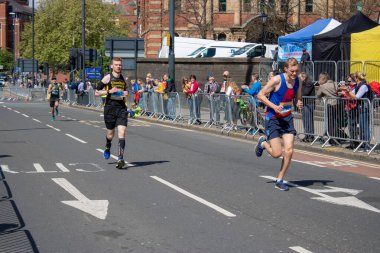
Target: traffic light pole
[[171, 69]]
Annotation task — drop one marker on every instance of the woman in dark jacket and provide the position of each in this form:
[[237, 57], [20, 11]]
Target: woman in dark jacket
[[308, 91]]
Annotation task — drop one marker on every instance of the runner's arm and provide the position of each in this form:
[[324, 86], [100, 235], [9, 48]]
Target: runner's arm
[[299, 96], [266, 90], [49, 89], [100, 88]]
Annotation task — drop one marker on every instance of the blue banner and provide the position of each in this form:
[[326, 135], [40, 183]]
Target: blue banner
[[93, 73], [293, 50]]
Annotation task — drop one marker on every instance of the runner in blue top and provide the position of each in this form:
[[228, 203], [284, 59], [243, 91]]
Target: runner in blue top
[[282, 89]]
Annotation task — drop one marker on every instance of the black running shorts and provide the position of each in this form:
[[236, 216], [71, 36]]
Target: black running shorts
[[115, 116], [52, 101]]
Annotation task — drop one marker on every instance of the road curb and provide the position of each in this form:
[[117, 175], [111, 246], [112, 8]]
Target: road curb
[[333, 151]]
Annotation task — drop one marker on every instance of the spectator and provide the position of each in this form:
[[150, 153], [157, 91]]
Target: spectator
[[212, 88], [275, 59], [186, 85], [308, 93], [234, 92], [328, 89], [194, 86], [81, 92], [305, 56], [255, 85], [362, 92], [170, 91]]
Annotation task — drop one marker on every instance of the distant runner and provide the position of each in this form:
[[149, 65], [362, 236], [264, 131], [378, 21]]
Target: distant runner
[[53, 91], [282, 89], [114, 87]]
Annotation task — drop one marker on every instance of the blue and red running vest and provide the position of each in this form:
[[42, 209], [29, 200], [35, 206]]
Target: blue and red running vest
[[284, 96]]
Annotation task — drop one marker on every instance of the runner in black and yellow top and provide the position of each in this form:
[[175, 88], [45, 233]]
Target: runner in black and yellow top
[[54, 92], [115, 110]]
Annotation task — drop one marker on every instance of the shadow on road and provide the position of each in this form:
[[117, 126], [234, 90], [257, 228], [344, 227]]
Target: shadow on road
[[141, 164], [306, 183], [13, 238], [4, 156], [24, 129]]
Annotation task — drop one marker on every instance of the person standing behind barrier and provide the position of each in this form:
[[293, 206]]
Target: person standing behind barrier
[[81, 92], [308, 90], [170, 91], [362, 91], [53, 91], [192, 91], [185, 88], [233, 92], [255, 86], [115, 109], [328, 89], [279, 119], [213, 89]]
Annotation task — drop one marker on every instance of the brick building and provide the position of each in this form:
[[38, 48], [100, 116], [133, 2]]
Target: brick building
[[13, 25], [234, 20]]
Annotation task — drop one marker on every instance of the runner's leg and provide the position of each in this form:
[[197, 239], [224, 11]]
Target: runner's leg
[[288, 140], [274, 147]]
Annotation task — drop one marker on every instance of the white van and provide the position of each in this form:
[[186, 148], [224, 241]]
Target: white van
[[182, 46], [218, 49], [254, 50]]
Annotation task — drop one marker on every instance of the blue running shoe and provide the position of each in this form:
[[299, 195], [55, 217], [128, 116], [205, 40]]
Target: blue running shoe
[[106, 153], [259, 149], [52, 118], [281, 185], [56, 111]]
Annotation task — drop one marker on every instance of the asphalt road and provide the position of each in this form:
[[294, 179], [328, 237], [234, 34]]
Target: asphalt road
[[185, 191]]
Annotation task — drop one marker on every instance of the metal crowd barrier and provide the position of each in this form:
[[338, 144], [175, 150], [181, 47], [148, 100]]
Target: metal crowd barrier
[[375, 124]]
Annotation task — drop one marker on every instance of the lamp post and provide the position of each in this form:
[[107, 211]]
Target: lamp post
[[263, 21], [83, 40], [13, 45], [33, 72]]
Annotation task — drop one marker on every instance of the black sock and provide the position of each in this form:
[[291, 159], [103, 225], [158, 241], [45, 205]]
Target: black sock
[[108, 143], [121, 148]]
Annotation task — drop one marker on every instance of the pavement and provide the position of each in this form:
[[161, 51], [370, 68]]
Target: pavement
[[184, 190]]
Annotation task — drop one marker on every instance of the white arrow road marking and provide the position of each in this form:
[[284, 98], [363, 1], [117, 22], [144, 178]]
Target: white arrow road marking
[[5, 168], [62, 167], [39, 169], [116, 158], [75, 138], [299, 249], [97, 208], [344, 201], [56, 129], [190, 195]]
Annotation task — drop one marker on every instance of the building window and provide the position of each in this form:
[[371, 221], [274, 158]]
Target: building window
[[247, 6], [284, 5], [309, 6], [222, 5], [177, 5]]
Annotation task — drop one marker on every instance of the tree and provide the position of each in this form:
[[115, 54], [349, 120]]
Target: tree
[[58, 28], [197, 13], [6, 59]]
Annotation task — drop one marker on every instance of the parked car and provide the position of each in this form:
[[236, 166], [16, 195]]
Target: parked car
[[2, 82], [254, 50], [182, 46]]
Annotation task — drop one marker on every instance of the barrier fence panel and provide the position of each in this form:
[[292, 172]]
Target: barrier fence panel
[[375, 123], [348, 121], [307, 67], [345, 68], [265, 68], [186, 110], [309, 122], [325, 66], [372, 70]]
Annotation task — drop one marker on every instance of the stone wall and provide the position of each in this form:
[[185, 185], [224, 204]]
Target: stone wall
[[240, 69]]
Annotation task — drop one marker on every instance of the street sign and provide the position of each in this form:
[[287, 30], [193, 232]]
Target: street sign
[[93, 73], [124, 47], [26, 65]]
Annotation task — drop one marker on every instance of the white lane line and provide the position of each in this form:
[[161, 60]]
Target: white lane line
[[75, 138], [9, 108], [196, 198], [104, 128], [36, 120], [116, 158], [39, 169], [96, 126], [5, 168], [4, 106], [16, 111], [63, 116], [26, 116], [309, 163], [300, 249], [56, 129], [376, 178], [62, 167]]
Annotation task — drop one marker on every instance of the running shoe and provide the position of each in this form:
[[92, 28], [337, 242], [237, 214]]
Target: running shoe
[[52, 118], [259, 149], [281, 185], [107, 153], [120, 164], [56, 111]]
